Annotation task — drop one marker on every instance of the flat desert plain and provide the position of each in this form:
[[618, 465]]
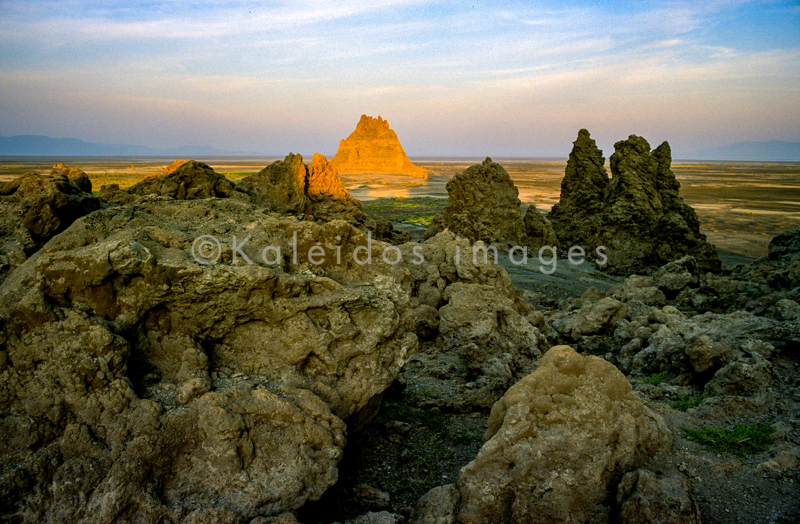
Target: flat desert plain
[[741, 205]]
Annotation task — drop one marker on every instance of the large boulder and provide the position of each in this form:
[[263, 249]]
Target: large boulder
[[34, 208], [138, 382], [374, 148], [555, 443], [484, 205], [186, 180], [637, 215]]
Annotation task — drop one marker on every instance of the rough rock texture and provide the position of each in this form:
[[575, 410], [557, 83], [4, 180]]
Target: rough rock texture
[[280, 187], [374, 148], [594, 318], [637, 215], [644, 498], [136, 383], [173, 167], [484, 205], [489, 331], [190, 180], [329, 198], [289, 186], [75, 176], [438, 506], [582, 192], [324, 181], [554, 443], [34, 208], [666, 340]]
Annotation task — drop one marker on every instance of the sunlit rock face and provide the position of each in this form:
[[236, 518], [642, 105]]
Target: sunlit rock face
[[374, 148]]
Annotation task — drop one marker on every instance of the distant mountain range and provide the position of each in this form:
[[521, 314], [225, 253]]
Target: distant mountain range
[[773, 151], [39, 145]]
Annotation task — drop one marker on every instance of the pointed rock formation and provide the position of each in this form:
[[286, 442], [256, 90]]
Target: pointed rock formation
[[281, 186], [636, 215], [374, 148], [190, 181], [324, 181], [484, 205], [582, 189]]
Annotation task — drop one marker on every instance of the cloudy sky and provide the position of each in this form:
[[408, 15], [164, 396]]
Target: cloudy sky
[[452, 78]]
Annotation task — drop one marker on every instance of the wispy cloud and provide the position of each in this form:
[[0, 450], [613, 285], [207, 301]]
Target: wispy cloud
[[416, 58]]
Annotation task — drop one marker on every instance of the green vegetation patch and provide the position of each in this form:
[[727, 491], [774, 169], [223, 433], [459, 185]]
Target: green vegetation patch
[[743, 439], [656, 379], [412, 210], [422, 221], [685, 402]]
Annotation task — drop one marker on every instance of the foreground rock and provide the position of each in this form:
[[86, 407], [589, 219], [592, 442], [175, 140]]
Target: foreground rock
[[484, 205], [636, 215], [553, 445], [643, 498], [374, 148], [34, 208], [142, 385]]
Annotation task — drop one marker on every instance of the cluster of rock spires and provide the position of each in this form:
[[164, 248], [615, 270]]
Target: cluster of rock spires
[[636, 215], [374, 148], [138, 385]]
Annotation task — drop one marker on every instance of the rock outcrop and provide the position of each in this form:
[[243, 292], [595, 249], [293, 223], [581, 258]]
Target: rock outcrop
[[137, 382], [280, 187], [173, 167], [34, 208], [554, 443], [644, 498], [289, 186], [484, 205], [190, 180], [636, 215], [75, 176], [374, 148]]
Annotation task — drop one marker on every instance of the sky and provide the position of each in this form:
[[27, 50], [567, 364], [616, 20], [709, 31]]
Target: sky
[[468, 78]]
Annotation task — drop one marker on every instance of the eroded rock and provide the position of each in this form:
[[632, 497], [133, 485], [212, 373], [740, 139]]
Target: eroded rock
[[644, 498], [374, 148], [553, 443], [187, 181], [484, 206], [637, 215], [128, 364], [34, 208]]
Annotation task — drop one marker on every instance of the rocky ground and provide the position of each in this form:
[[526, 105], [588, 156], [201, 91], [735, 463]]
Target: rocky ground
[[138, 384]]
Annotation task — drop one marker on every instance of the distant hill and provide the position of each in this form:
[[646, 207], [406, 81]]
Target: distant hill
[[773, 151], [40, 145]]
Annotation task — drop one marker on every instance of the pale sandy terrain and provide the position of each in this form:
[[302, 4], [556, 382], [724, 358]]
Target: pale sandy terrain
[[740, 205]]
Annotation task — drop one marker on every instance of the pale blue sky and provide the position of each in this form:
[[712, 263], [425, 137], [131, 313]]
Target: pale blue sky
[[452, 78]]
